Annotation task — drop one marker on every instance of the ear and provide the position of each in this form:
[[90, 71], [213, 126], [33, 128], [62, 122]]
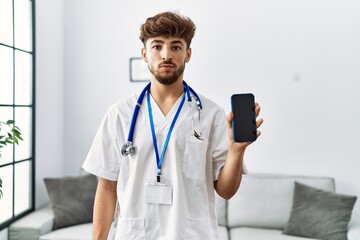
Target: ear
[[188, 55], [144, 55]]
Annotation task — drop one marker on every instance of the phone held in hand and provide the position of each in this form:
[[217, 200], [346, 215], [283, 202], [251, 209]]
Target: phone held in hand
[[244, 119]]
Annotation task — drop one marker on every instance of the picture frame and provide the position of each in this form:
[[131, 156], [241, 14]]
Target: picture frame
[[138, 69]]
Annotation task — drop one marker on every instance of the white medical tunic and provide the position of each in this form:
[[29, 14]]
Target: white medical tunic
[[190, 167]]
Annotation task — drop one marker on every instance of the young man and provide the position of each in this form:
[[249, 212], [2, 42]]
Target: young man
[[181, 150]]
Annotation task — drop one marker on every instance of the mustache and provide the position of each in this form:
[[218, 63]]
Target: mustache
[[167, 62]]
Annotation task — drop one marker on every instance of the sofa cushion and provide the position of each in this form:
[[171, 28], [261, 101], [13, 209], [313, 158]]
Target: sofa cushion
[[320, 214], [265, 200], [246, 233], [77, 232], [32, 225], [72, 199], [223, 233], [354, 226]]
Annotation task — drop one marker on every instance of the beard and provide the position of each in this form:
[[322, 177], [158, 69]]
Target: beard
[[164, 77]]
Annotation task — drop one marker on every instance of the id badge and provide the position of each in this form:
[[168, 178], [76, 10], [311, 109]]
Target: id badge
[[158, 193]]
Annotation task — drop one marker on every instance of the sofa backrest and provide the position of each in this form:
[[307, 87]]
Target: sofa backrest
[[265, 200]]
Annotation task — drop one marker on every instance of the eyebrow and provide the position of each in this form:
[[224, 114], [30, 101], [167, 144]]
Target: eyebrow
[[172, 42], [176, 42]]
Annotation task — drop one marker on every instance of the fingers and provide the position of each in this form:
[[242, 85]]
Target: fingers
[[257, 109], [258, 133], [229, 119], [259, 122], [229, 124]]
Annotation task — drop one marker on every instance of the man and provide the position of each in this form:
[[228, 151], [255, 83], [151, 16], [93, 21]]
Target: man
[[168, 195]]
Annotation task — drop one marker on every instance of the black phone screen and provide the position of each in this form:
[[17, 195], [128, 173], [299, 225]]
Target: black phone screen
[[244, 120]]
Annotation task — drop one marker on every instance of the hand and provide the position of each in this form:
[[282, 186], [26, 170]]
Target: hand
[[243, 145], [230, 176]]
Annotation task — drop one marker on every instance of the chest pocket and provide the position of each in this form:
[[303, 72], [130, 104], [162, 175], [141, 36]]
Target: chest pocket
[[194, 161]]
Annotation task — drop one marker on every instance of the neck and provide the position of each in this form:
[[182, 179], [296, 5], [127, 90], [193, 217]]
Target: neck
[[165, 96]]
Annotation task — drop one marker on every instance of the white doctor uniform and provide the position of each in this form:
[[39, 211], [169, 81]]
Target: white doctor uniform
[[189, 169]]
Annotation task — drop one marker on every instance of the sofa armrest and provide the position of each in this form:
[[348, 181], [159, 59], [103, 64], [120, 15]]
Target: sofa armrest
[[354, 227], [33, 225]]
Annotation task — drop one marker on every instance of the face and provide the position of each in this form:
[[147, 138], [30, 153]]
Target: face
[[166, 58]]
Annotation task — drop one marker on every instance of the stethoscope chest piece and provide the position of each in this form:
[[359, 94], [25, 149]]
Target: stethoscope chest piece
[[127, 148]]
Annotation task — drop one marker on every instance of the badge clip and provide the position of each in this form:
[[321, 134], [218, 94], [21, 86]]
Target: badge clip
[[158, 176]]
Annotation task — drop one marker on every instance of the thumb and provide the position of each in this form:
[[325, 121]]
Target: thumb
[[229, 125]]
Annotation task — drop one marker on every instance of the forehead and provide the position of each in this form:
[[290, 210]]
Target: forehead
[[165, 40]]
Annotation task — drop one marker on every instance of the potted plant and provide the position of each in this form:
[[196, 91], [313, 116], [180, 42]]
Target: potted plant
[[9, 134]]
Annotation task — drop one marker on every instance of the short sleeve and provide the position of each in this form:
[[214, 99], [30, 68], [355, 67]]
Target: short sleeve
[[219, 143], [104, 157]]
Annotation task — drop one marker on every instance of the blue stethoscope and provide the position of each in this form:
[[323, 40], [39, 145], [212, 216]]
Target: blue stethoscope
[[129, 148]]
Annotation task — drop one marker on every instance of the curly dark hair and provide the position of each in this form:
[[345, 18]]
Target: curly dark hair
[[168, 24]]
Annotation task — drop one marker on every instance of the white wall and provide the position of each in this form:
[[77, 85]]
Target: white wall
[[49, 94], [300, 59]]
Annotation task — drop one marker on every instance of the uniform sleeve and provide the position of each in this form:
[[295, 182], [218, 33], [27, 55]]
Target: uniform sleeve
[[219, 143], [104, 157]]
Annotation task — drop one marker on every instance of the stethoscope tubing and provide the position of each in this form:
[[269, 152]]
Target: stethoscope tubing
[[194, 93], [136, 112], [128, 146]]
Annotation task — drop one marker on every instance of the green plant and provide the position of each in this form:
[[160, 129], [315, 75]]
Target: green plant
[[9, 134]]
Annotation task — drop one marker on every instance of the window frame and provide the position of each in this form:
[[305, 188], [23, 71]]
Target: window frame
[[32, 109]]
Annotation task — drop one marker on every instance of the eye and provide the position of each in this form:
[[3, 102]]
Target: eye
[[156, 47], [176, 48]]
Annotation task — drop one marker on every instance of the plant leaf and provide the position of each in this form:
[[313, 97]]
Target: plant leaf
[[16, 133]]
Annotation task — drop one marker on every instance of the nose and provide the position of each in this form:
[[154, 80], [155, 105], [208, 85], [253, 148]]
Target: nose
[[166, 54]]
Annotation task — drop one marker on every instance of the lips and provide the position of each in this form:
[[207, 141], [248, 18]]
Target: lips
[[167, 66]]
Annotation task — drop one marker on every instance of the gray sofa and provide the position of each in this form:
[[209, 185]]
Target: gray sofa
[[259, 211]]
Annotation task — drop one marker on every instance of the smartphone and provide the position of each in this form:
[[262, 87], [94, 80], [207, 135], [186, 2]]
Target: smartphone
[[244, 120]]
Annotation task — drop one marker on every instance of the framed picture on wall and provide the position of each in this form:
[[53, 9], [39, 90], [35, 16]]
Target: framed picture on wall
[[139, 71]]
